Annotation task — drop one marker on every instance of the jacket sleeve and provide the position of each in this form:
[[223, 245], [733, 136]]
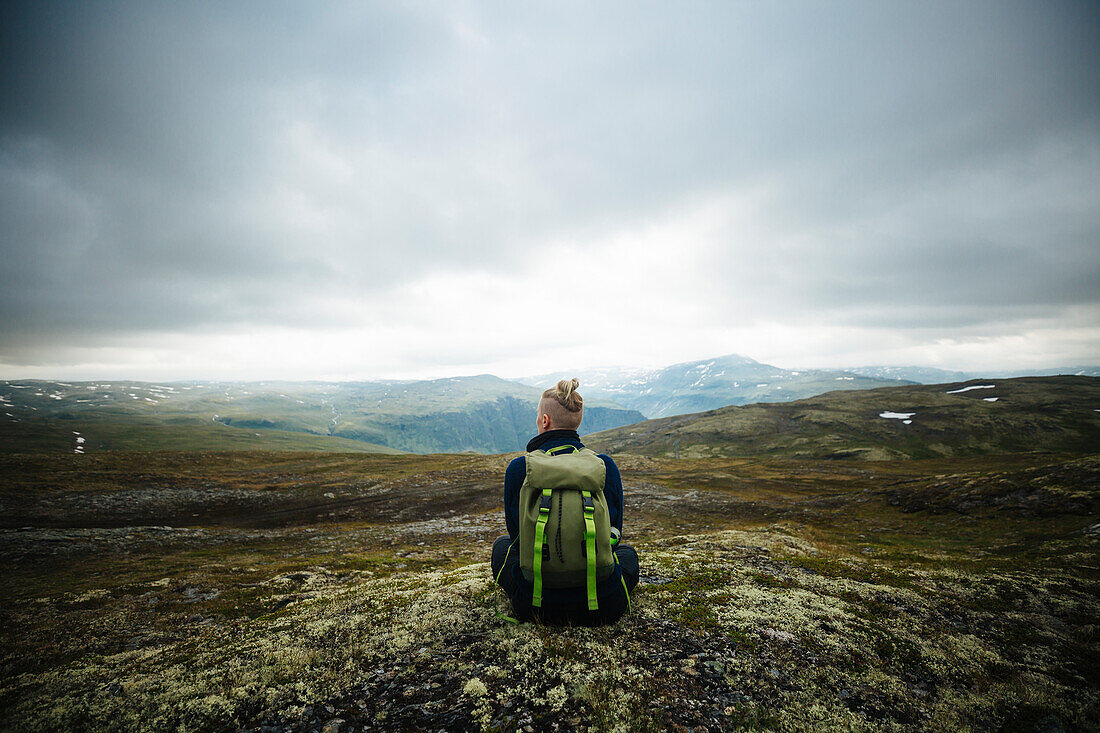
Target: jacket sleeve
[[513, 482], [613, 491]]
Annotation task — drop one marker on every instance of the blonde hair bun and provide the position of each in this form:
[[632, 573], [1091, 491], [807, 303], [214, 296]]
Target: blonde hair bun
[[566, 394]]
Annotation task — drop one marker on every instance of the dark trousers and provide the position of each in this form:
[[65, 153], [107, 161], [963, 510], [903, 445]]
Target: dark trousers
[[613, 603]]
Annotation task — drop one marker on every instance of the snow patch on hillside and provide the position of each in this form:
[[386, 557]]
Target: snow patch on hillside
[[973, 386], [897, 416]]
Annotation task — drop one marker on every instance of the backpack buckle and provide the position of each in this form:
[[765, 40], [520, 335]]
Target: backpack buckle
[[544, 503], [589, 505]]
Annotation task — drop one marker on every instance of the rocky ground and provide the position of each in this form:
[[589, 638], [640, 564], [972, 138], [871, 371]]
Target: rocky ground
[[300, 592]]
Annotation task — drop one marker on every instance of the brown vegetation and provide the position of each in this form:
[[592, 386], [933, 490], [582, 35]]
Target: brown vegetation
[[777, 594]]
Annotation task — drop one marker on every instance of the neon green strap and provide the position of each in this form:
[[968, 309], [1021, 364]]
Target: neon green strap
[[540, 530], [590, 547], [505, 564], [552, 451], [509, 619], [623, 581]]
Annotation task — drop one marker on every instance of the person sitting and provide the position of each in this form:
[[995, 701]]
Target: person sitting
[[561, 561]]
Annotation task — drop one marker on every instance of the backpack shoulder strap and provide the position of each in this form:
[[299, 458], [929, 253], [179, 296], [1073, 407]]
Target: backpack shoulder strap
[[540, 532], [590, 548]]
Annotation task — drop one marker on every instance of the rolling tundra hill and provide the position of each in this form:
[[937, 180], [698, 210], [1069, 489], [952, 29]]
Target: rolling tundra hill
[[482, 413], [710, 383], [915, 421]]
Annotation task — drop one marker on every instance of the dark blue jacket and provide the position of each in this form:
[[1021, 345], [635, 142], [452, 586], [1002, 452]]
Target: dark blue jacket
[[612, 491]]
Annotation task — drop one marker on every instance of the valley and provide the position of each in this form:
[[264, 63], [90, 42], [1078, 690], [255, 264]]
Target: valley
[[483, 414]]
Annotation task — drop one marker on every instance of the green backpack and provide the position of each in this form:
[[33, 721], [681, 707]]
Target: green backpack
[[564, 523]]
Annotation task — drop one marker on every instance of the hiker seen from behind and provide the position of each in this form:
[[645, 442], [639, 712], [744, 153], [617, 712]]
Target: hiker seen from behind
[[562, 561]]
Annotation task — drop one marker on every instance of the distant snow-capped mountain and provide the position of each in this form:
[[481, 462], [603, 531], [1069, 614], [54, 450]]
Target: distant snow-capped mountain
[[917, 374], [707, 384]]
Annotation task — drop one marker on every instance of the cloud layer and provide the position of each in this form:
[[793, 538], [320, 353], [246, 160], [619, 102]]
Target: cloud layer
[[368, 189]]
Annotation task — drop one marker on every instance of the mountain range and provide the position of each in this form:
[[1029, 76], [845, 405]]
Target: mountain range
[[706, 384], [481, 413], [932, 375]]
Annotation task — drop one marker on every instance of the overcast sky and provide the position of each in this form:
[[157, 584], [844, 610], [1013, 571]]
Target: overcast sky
[[355, 190]]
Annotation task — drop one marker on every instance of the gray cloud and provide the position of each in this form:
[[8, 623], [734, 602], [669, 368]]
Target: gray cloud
[[180, 167]]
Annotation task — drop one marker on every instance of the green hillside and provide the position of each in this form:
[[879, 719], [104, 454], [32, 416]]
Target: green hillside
[[915, 421]]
